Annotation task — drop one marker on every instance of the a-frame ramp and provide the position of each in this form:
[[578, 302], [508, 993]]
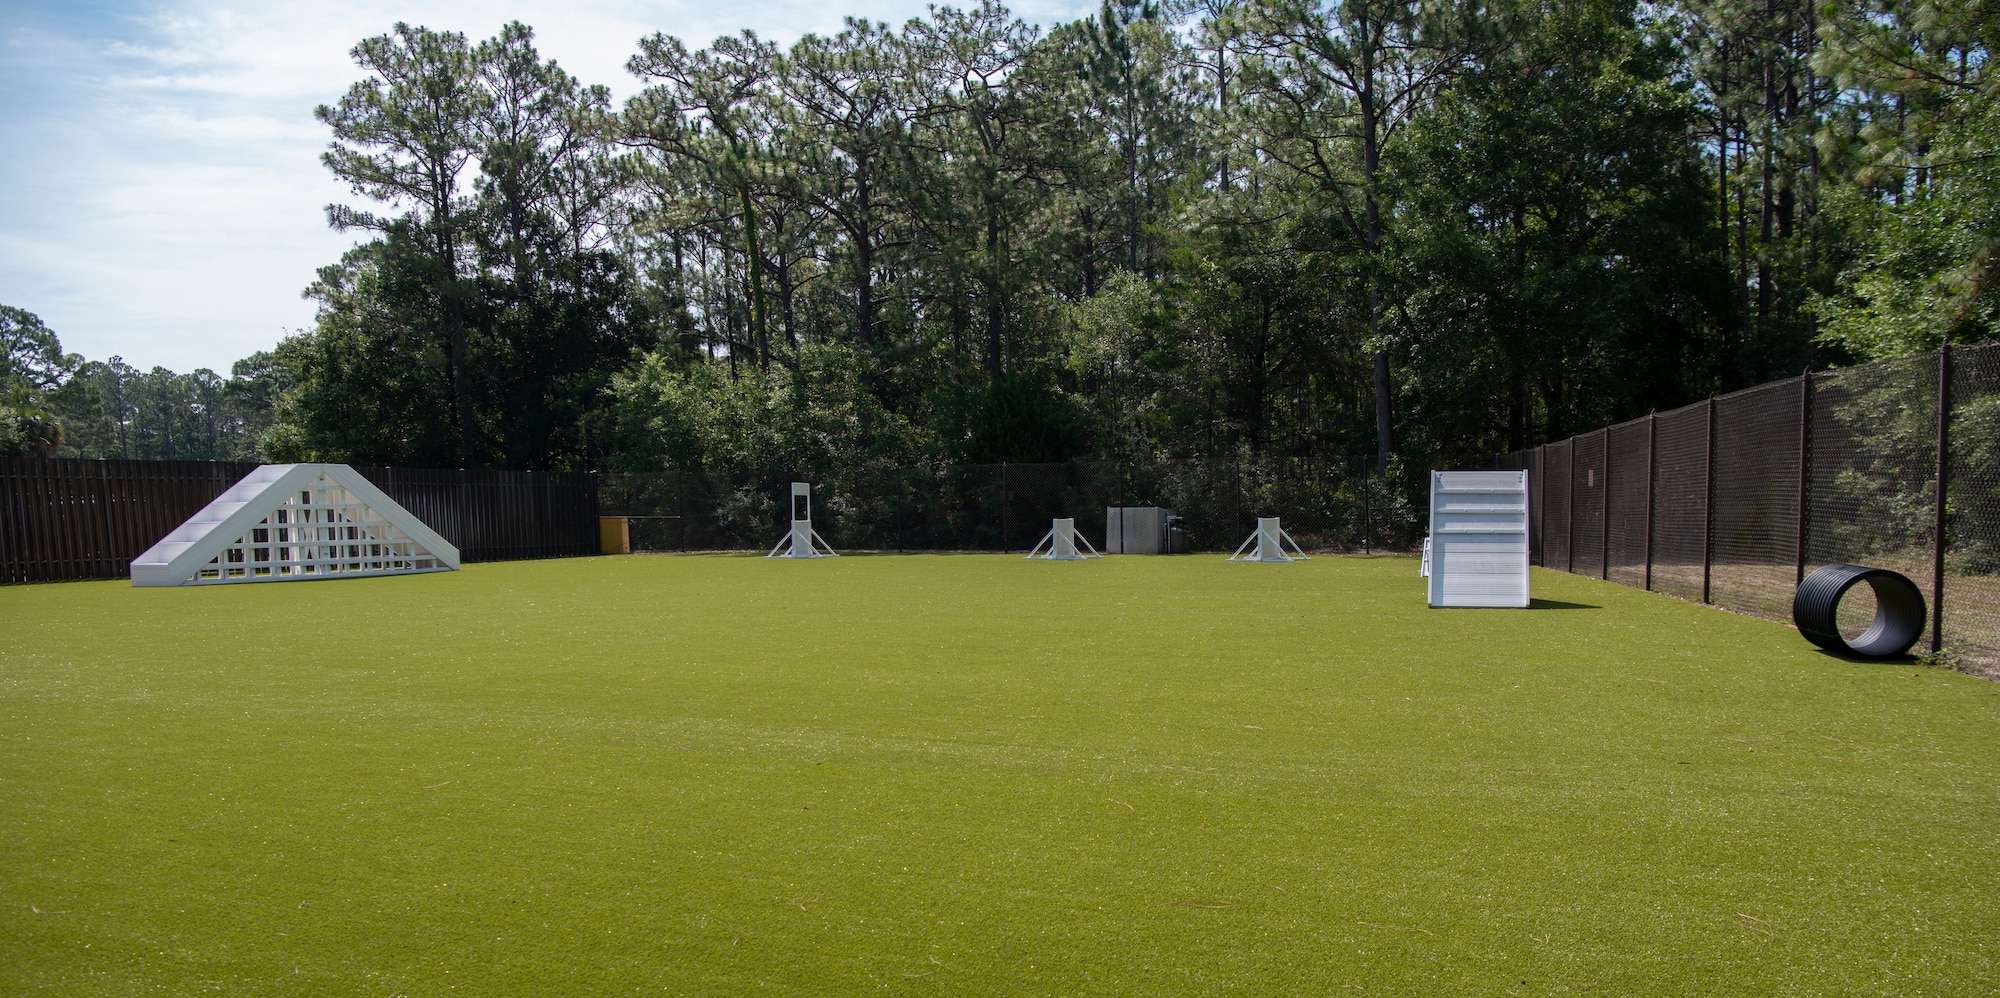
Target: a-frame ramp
[[286, 522]]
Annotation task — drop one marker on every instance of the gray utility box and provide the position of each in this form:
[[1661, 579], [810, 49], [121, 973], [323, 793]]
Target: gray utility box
[[1142, 530]]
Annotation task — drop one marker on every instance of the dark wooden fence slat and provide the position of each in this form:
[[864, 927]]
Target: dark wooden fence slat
[[65, 557], [82, 519]]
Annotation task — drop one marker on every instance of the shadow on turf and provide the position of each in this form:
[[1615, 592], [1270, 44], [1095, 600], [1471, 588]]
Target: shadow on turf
[[1556, 604], [1904, 659]]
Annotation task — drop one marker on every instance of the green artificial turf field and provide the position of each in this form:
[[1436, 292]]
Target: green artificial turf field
[[948, 775]]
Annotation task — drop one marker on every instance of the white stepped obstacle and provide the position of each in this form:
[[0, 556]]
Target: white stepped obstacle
[[1270, 540], [1479, 538], [1062, 539], [799, 542], [290, 522]]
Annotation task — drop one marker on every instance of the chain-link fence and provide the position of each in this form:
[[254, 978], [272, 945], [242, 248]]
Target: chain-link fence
[[1733, 500], [1007, 507]]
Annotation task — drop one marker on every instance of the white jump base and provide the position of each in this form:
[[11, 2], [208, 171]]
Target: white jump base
[[802, 541], [1062, 540], [1270, 539]]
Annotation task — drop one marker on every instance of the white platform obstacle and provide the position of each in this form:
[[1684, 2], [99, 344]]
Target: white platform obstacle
[[290, 522], [1270, 539], [1062, 539], [800, 543], [1140, 530], [1479, 538]]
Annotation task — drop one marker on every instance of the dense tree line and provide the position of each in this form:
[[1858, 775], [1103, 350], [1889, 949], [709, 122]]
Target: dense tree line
[[1363, 234], [55, 403]]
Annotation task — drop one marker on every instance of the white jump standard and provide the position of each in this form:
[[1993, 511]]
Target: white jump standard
[[802, 535], [1062, 539], [291, 522], [1479, 538], [1269, 539]]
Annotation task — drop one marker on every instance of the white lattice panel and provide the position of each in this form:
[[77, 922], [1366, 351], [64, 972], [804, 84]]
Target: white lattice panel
[[319, 531]]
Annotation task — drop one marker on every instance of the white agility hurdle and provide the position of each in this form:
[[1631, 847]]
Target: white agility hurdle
[[1062, 539], [802, 534], [1269, 539]]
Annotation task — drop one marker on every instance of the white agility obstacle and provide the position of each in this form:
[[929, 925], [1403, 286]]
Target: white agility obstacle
[[1062, 539], [1142, 530], [1270, 540], [802, 537], [292, 522], [1479, 539]]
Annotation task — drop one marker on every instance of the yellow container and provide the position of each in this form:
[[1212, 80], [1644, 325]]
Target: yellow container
[[614, 535]]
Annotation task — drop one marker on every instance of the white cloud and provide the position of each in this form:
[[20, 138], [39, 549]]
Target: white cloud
[[162, 197]]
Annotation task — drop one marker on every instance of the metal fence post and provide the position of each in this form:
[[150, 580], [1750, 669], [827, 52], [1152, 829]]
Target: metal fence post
[[1604, 512], [1569, 511], [1367, 510], [1708, 508], [1003, 507], [1652, 483], [1943, 464], [1805, 471], [596, 499], [1542, 512]]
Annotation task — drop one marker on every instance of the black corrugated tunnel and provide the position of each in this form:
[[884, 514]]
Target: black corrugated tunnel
[[1899, 610]]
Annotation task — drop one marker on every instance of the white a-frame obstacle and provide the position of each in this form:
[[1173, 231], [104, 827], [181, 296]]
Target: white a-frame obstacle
[[802, 536], [1270, 540], [288, 522], [1062, 539]]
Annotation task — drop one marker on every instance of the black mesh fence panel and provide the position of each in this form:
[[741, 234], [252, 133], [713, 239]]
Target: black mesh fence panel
[[1754, 554], [654, 504], [1873, 486], [1008, 507], [1037, 494], [1207, 495], [1532, 463], [1971, 607], [1587, 491], [1680, 501], [1556, 491], [1858, 449], [1627, 474]]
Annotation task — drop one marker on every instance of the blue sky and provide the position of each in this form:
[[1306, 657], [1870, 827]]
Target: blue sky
[[161, 196]]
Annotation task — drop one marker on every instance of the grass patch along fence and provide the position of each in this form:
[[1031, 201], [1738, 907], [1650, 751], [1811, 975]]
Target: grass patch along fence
[[952, 774]]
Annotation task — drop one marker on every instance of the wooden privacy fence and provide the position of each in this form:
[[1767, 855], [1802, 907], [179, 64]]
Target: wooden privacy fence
[[1731, 501], [76, 519]]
